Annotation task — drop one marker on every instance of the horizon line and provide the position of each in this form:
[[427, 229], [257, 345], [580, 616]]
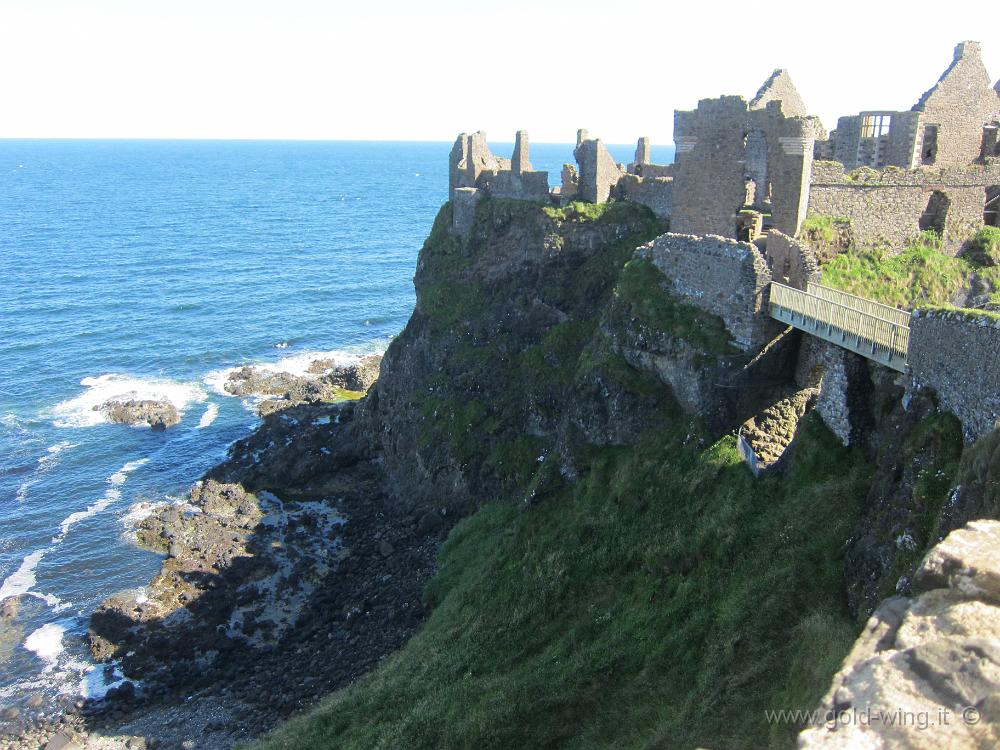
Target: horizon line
[[293, 140]]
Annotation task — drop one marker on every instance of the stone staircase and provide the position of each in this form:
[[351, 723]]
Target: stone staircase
[[764, 438]]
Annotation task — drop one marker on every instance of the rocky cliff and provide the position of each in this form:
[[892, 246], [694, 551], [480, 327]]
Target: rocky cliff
[[567, 414]]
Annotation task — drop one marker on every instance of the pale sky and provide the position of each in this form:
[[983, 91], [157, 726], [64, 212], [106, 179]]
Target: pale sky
[[429, 69]]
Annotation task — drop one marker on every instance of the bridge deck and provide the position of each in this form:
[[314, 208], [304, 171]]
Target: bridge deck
[[873, 330]]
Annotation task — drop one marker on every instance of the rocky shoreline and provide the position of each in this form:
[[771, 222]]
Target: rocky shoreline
[[286, 575]]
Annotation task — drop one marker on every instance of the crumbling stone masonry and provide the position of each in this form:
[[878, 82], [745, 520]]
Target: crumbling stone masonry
[[793, 263], [953, 123], [599, 173], [473, 167], [844, 382], [934, 167], [470, 157], [463, 209], [957, 353], [779, 88], [741, 167], [722, 277], [892, 206], [656, 193], [732, 155]]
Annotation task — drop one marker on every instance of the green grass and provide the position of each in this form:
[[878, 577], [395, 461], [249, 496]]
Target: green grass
[[920, 275], [665, 600], [821, 227], [581, 211], [554, 359], [345, 394], [983, 248], [449, 303]]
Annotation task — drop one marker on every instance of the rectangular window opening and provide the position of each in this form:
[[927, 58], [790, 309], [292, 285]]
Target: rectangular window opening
[[875, 126]]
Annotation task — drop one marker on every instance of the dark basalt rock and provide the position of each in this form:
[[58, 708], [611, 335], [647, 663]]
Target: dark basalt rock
[[324, 381], [159, 415]]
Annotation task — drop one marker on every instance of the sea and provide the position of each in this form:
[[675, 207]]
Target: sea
[[150, 269]]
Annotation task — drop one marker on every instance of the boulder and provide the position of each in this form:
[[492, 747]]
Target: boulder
[[925, 672], [159, 415]]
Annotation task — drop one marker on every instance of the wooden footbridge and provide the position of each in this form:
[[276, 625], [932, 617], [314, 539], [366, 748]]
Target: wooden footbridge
[[871, 329]]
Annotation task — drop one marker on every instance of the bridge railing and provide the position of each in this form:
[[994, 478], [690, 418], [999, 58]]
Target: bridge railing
[[894, 314], [848, 324]]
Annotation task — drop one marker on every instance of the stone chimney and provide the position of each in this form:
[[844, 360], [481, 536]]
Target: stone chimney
[[967, 49], [642, 151], [519, 160]]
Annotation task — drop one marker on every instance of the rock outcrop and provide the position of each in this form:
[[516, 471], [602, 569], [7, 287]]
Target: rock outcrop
[[159, 415], [323, 381], [925, 673]]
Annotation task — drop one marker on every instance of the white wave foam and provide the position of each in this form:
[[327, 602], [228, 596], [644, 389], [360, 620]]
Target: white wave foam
[[54, 451], [139, 511], [72, 519], [21, 580], [119, 477], [111, 495], [80, 411], [46, 643], [211, 412], [95, 684]]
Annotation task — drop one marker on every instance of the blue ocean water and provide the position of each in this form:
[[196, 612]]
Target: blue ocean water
[[152, 267]]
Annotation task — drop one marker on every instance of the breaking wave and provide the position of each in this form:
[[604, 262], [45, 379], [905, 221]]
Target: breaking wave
[[83, 411]]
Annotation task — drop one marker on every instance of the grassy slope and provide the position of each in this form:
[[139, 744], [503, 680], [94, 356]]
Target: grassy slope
[[919, 275], [666, 599]]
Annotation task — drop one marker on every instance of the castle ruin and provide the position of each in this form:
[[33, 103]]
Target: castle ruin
[[746, 175], [745, 167]]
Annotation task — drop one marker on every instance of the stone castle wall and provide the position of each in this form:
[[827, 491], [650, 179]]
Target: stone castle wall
[[886, 206], [944, 128], [655, 192], [957, 353], [793, 263], [722, 145], [708, 172], [720, 276], [599, 173], [961, 102], [527, 186]]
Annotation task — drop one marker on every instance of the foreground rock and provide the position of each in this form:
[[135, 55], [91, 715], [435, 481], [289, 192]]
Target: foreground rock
[[925, 673], [324, 381], [136, 412]]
